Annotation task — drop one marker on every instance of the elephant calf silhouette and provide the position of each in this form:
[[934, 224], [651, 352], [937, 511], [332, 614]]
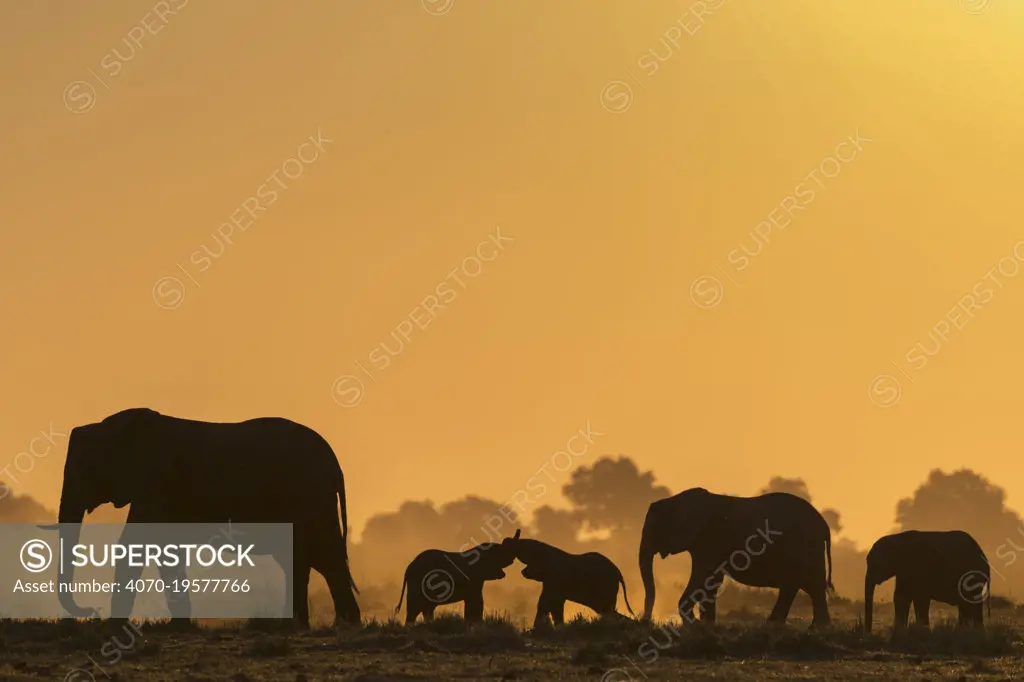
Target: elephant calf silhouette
[[589, 579], [947, 566], [436, 577]]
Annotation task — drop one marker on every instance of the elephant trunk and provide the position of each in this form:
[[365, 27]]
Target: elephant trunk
[[70, 518], [647, 575], [869, 596]]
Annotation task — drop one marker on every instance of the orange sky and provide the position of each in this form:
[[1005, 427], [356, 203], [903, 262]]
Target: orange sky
[[446, 126]]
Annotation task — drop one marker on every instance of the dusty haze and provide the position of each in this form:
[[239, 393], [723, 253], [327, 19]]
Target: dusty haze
[[440, 125]]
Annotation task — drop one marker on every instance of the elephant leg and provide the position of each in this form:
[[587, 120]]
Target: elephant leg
[[921, 604], [428, 613], [122, 601], [330, 563], [287, 567], [543, 608], [901, 605], [412, 608], [178, 603], [690, 595], [300, 588], [780, 612], [606, 606], [473, 607], [820, 605], [707, 607], [557, 610]]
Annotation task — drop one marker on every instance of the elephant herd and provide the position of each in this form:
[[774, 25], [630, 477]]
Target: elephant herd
[[273, 470]]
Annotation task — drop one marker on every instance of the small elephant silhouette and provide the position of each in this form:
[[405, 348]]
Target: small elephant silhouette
[[589, 579], [945, 566], [436, 577]]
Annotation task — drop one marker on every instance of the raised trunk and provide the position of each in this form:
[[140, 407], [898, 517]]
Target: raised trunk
[[70, 518], [869, 595], [647, 575]]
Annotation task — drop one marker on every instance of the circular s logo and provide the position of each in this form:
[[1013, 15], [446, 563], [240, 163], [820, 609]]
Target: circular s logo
[[885, 390], [706, 291], [975, 6], [616, 97], [437, 586], [79, 97], [347, 390], [973, 586], [36, 556], [437, 7], [168, 293]]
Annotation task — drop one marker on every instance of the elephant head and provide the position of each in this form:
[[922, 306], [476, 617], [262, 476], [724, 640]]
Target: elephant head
[[527, 551], [883, 561], [494, 558], [530, 552], [534, 573], [673, 525], [100, 468]]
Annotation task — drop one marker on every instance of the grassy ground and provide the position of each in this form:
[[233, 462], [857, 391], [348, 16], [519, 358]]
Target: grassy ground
[[448, 649]]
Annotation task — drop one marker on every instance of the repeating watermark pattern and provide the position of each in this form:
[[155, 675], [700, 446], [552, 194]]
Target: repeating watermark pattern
[[24, 462], [707, 291], [437, 7], [111, 653], [885, 390], [973, 586], [80, 95], [348, 390], [169, 291], [1009, 556], [740, 560], [438, 586], [975, 6], [617, 95]]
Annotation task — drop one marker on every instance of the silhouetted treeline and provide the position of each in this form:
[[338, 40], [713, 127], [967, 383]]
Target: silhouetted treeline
[[602, 508]]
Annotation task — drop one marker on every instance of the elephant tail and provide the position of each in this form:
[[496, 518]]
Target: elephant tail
[[622, 582], [828, 555], [344, 524], [405, 580], [988, 598]]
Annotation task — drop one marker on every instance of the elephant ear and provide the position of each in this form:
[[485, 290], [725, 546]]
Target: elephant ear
[[704, 518], [128, 456]]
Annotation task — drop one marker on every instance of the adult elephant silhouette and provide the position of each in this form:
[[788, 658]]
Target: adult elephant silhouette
[[772, 540], [170, 470]]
